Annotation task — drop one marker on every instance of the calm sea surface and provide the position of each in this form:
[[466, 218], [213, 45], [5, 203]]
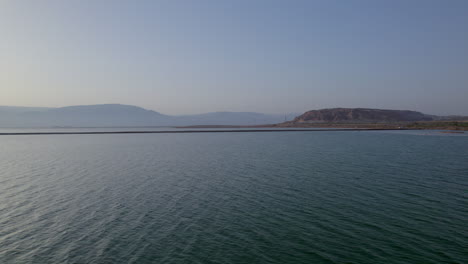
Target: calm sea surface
[[292, 197]]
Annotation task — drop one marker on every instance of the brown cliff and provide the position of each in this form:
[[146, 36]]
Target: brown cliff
[[360, 115]]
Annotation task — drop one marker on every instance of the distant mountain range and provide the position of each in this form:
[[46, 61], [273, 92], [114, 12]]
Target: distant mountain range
[[113, 115], [117, 115]]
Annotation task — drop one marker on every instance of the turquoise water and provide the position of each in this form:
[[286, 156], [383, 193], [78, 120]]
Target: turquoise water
[[297, 197]]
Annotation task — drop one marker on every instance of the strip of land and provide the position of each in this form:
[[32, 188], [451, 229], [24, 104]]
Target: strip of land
[[429, 125], [190, 131]]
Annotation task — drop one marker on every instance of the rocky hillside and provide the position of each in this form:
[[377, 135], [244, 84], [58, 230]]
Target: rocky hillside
[[360, 115]]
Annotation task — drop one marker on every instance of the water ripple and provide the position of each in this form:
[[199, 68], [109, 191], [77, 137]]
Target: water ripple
[[304, 198]]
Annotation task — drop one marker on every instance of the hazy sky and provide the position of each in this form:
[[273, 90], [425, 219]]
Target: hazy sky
[[193, 56]]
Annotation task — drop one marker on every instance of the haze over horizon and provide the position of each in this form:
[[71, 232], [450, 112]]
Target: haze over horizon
[[190, 57]]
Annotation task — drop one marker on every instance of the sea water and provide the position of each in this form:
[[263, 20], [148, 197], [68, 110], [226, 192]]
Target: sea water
[[289, 197]]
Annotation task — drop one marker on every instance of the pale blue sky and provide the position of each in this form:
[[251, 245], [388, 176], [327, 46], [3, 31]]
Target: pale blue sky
[[273, 56]]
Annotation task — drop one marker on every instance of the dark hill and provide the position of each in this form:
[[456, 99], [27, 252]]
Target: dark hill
[[360, 115]]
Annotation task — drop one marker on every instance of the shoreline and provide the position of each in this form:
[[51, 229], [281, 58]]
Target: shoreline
[[422, 125], [198, 131]]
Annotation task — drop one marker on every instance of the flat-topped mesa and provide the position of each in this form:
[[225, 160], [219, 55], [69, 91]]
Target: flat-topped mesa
[[360, 115]]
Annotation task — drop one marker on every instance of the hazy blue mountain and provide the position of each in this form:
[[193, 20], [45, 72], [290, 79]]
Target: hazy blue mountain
[[94, 115], [21, 109], [234, 118], [106, 115]]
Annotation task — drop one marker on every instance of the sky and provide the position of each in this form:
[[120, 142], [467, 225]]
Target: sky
[[270, 56]]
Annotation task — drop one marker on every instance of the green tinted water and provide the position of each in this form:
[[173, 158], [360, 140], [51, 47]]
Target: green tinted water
[[299, 197]]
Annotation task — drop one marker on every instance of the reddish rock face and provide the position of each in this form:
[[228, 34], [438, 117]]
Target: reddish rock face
[[360, 115]]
